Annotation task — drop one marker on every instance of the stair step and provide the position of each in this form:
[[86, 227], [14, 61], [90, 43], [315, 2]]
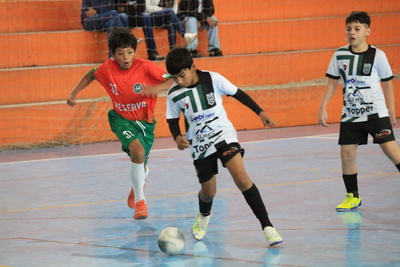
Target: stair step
[[75, 47], [40, 84]]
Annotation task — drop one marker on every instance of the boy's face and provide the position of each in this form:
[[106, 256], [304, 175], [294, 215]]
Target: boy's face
[[186, 77], [124, 57], [356, 34]]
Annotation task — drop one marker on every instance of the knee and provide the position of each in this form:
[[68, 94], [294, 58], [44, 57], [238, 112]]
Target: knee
[[347, 155], [243, 182], [137, 159], [191, 21]]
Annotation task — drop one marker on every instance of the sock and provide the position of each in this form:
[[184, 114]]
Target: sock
[[205, 207], [254, 200], [137, 178], [146, 172], [350, 182], [398, 166]]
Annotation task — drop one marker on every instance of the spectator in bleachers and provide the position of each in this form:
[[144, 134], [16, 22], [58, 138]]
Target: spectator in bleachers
[[162, 14], [101, 15], [197, 14], [134, 10]]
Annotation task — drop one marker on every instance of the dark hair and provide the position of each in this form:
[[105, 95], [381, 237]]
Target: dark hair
[[360, 17], [178, 59], [121, 38]]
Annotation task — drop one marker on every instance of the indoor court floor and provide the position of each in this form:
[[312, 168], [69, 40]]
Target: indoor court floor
[[66, 206]]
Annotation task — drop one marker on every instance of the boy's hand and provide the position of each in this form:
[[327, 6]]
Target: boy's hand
[[322, 118], [266, 120], [151, 90], [154, 90], [181, 142], [71, 101]]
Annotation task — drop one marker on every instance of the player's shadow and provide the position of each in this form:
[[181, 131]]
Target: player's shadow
[[141, 250], [352, 219]]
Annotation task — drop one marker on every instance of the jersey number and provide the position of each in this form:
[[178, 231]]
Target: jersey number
[[114, 89], [128, 134]]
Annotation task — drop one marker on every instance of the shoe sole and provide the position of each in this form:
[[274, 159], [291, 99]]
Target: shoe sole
[[275, 243], [140, 217], [343, 210], [195, 236]]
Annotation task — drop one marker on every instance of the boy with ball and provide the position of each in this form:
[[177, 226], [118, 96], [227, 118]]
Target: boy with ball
[[211, 136]]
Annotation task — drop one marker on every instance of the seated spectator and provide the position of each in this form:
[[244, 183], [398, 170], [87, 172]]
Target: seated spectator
[[197, 14], [134, 10], [162, 13], [100, 15]]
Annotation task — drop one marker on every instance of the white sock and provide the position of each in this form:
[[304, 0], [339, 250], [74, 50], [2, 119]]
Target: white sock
[[146, 173], [137, 178]]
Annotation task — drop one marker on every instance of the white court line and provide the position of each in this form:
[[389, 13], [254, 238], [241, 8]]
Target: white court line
[[323, 136], [152, 151]]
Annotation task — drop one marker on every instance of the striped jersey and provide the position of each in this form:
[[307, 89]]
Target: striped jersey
[[124, 86], [361, 74], [206, 120]]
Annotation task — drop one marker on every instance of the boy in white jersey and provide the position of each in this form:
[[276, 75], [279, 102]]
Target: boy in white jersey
[[367, 109], [211, 136]]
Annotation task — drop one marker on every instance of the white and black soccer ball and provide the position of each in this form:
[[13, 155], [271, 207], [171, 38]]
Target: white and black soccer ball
[[171, 241]]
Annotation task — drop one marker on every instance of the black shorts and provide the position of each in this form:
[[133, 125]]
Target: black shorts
[[356, 133], [207, 167]]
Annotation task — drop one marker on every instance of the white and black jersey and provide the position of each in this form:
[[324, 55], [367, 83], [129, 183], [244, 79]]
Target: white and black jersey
[[361, 74], [206, 120]]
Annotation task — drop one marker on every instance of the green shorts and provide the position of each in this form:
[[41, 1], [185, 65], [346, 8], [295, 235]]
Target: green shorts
[[127, 131]]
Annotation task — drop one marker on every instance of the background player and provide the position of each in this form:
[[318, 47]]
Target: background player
[[367, 109], [211, 136], [132, 117]]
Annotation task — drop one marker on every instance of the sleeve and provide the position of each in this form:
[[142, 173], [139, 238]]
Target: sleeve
[[103, 6], [91, 73], [152, 6], [333, 69], [158, 74], [173, 114], [246, 100], [383, 67], [173, 110], [174, 127], [185, 10], [224, 85]]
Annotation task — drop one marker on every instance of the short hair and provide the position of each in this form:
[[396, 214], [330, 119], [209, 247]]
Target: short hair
[[178, 59], [360, 17], [121, 38]]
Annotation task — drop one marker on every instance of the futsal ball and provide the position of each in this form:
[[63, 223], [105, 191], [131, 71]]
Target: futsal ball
[[171, 241]]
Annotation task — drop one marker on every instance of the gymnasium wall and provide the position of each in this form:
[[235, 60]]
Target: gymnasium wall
[[278, 51]]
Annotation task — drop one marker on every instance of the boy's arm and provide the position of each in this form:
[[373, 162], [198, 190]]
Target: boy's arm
[[175, 130], [152, 90], [389, 98], [246, 100], [83, 83], [328, 93]]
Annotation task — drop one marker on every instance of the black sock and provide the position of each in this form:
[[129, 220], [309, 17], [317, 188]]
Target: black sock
[[398, 166], [253, 198], [205, 207], [350, 182]]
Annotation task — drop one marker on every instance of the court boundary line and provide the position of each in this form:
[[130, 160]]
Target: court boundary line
[[319, 136], [191, 193]]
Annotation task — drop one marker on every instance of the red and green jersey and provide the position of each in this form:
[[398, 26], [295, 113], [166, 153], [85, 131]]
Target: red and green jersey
[[124, 87]]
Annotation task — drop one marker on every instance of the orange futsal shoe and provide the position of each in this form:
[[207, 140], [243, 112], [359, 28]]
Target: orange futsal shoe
[[131, 199], [140, 210]]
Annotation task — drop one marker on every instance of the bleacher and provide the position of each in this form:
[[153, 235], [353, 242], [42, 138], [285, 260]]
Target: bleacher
[[276, 50]]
